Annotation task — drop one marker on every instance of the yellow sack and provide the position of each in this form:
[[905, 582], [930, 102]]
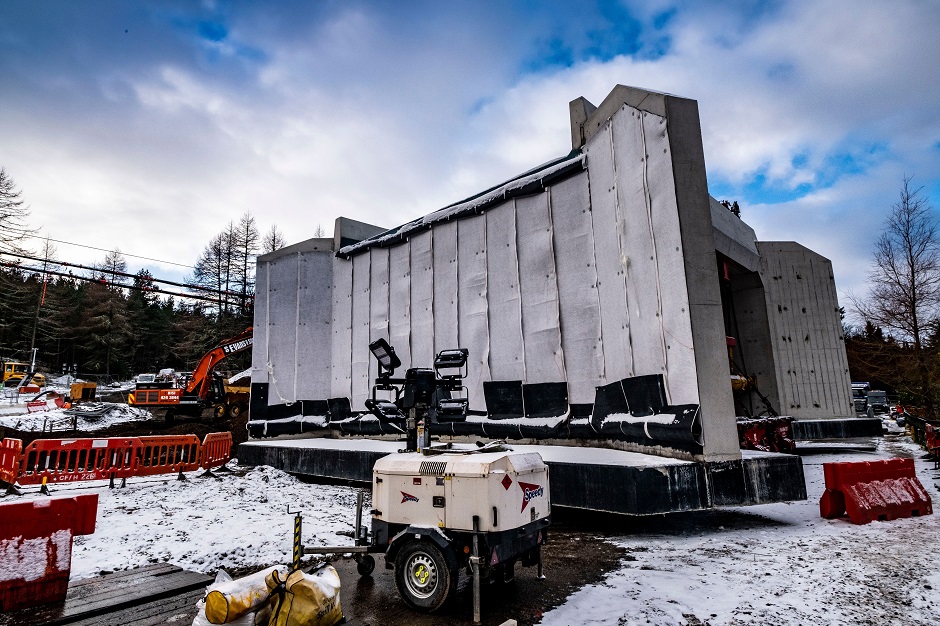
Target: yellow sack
[[230, 600], [305, 599]]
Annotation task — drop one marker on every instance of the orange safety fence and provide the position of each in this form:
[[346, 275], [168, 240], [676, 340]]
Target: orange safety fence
[[10, 452], [216, 450], [68, 460], [165, 455]]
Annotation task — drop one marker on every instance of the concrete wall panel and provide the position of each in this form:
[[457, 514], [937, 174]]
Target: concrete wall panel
[[360, 356], [675, 326], [378, 304], [507, 354], [607, 222], [282, 343], [341, 370], [314, 323], [806, 333], [399, 302], [260, 348], [472, 320], [544, 358], [422, 298], [577, 286], [445, 287], [637, 241]]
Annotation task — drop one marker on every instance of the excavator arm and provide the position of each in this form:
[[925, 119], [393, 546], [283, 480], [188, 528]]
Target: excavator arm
[[200, 383]]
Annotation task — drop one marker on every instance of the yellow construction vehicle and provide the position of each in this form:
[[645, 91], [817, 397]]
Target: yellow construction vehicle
[[15, 371]]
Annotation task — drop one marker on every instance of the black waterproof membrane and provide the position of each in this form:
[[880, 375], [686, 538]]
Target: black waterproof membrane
[[631, 410]]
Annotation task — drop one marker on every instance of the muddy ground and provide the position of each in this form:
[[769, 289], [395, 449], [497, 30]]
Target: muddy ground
[[573, 558]]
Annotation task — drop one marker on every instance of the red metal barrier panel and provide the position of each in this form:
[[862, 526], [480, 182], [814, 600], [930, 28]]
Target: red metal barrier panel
[[216, 450], [36, 544], [11, 451], [165, 455], [873, 490], [69, 460]]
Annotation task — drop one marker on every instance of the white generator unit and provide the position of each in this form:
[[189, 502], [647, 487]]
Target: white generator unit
[[428, 508], [441, 509]]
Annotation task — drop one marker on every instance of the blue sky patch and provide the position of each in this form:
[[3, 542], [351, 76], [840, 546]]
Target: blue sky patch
[[213, 31], [607, 30]]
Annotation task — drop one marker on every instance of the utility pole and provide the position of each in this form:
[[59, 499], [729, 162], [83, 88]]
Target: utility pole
[[41, 300]]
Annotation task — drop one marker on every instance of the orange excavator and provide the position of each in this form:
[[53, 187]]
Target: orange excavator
[[203, 389]]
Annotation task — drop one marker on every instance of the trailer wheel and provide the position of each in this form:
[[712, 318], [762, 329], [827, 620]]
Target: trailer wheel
[[366, 565], [424, 578]]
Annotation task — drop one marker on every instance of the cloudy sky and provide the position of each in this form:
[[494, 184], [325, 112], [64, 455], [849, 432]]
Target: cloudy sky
[[148, 126]]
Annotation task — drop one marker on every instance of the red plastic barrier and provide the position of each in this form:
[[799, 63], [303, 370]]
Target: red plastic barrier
[[36, 544], [68, 460], [932, 442], [11, 451], [769, 434], [166, 455], [870, 490], [36, 406], [216, 450]]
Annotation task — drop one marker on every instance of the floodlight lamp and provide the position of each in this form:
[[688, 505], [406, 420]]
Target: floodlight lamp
[[385, 355], [447, 359]]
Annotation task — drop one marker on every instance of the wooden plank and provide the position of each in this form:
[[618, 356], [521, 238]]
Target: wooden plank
[[163, 587], [105, 590], [151, 570], [90, 599], [179, 610]]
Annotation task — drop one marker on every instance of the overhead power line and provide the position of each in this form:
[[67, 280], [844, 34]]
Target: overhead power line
[[103, 281], [123, 274], [217, 293], [136, 256]]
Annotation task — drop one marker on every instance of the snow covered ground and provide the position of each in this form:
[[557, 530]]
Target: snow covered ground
[[771, 564], [92, 416], [776, 564]]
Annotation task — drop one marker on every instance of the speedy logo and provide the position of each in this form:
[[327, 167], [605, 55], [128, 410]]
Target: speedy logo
[[529, 491], [407, 497]]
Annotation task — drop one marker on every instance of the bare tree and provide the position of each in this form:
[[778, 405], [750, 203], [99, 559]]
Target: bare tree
[[13, 215], [273, 240], [905, 283], [245, 250], [211, 271], [112, 267]]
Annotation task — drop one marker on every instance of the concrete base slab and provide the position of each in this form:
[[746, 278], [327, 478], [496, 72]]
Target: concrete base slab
[[600, 479], [850, 428]]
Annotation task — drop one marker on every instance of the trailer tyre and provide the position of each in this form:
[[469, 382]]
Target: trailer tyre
[[366, 565], [424, 578]]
